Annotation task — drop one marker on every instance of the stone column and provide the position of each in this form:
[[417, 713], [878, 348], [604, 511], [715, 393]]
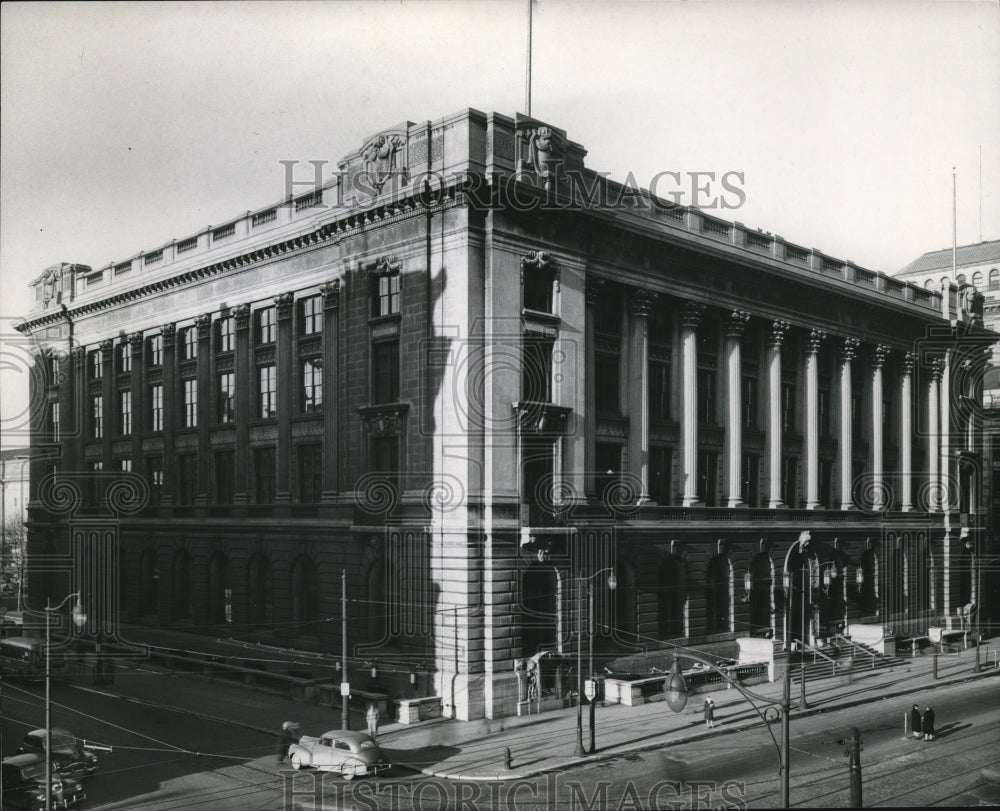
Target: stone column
[[593, 292], [946, 461], [206, 359], [331, 377], [171, 408], [691, 316], [82, 408], [734, 395], [641, 301], [847, 352], [245, 383], [933, 428], [287, 367], [68, 421], [774, 427], [136, 342], [906, 433], [816, 338], [111, 409], [877, 485]]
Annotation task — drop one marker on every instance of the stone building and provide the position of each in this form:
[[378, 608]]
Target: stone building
[[476, 375]]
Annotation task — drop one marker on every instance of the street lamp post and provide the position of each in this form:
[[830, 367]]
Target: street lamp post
[[80, 619], [345, 721], [612, 583]]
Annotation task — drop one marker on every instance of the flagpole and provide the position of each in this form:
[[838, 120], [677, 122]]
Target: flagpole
[[954, 229], [527, 89]]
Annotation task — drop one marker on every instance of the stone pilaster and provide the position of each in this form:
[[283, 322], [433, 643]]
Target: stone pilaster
[[816, 338], [136, 341], [691, 316], [110, 406], [848, 350], [286, 396], [593, 293], [244, 402], [172, 405], [947, 463], [879, 357], [206, 359], [735, 328], [779, 330], [933, 434], [331, 376], [906, 433], [640, 303], [81, 409]]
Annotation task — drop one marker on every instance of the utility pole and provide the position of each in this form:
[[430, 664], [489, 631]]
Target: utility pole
[[786, 704], [853, 752], [345, 721]]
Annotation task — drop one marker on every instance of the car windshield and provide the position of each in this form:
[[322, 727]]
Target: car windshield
[[33, 771], [63, 740], [362, 745]]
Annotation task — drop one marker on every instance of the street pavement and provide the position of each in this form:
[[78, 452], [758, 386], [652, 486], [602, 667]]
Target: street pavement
[[475, 750]]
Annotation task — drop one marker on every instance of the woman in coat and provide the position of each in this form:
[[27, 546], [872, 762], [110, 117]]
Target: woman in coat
[[915, 722], [709, 713], [928, 724]]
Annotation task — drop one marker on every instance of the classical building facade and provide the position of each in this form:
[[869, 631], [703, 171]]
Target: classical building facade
[[475, 375]]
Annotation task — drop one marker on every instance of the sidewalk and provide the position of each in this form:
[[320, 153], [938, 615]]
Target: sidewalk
[[474, 750]]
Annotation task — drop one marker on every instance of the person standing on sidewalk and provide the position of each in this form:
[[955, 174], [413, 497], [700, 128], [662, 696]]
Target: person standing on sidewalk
[[289, 734], [372, 716], [709, 713], [927, 724], [915, 726]]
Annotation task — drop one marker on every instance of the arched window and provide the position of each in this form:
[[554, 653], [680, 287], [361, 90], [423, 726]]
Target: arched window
[[626, 602], [261, 591], [944, 280], [181, 581], [538, 609], [977, 280], [929, 284], [995, 279], [672, 603], [305, 595], [960, 279], [869, 585], [761, 584], [718, 586], [220, 593], [149, 577]]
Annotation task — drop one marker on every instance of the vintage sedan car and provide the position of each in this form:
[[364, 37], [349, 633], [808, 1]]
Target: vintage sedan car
[[24, 785], [68, 755], [350, 754]]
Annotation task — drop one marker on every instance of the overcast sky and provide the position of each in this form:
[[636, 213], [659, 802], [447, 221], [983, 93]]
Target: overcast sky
[[127, 125]]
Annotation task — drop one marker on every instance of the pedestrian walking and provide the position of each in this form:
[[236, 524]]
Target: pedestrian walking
[[915, 721], [372, 716], [927, 724], [709, 713], [289, 734]]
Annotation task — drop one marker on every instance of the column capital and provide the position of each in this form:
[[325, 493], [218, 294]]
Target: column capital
[[737, 323], [849, 348], [692, 313], [107, 346], [390, 266], [909, 360], [815, 341], [936, 367], [777, 335], [79, 354], [204, 325], [283, 304], [135, 341], [880, 356], [593, 291], [641, 301], [331, 294], [242, 314], [169, 333]]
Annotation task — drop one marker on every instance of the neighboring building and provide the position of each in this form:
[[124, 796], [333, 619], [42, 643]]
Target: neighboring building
[[14, 490], [482, 374]]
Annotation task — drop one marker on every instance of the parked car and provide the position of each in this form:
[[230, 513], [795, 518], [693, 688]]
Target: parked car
[[350, 754], [68, 755], [24, 785]]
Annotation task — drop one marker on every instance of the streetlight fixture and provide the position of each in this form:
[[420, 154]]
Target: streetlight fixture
[[79, 619], [612, 584]]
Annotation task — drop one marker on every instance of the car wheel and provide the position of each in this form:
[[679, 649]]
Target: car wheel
[[347, 771], [296, 761]]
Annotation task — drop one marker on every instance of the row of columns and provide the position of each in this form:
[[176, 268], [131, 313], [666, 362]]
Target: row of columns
[[691, 315]]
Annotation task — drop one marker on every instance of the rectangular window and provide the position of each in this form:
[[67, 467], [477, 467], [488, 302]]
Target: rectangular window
[[96, 364], [125, 465], [156, 407], [608, 314], [187, 478], [227, 334], [312, 385], [154, 476], [267, 392], [54, 419], [124, 358], [387, 295], [227, 397], [787, 408], [750, 403], [608, 461], [538, 290], [310, 473], [660, 480], [125, 412], [312, 315], [706, 397], [385, 456], [97, 422], [190, 403], [751, 480], [536, 370], [267, 325], [385, 371], [659, 390], [708, 478], [189, 344], [225, 476], [606, 384], [264, 474], [789, 481], [155, 344]]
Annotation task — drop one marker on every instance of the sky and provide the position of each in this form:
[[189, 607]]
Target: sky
[[125, 125]]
